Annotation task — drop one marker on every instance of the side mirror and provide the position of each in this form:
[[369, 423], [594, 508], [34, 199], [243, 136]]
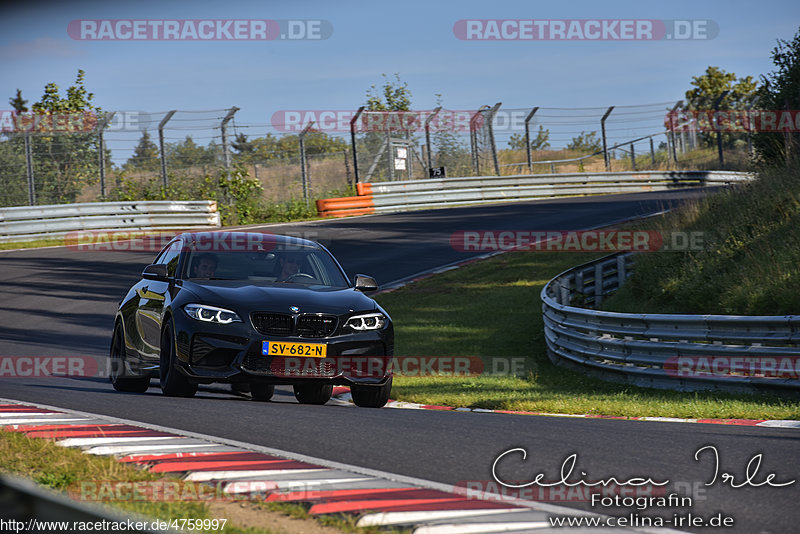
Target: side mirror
[[155, 271], [366, 283]]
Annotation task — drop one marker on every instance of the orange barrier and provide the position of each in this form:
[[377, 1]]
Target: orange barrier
[[345, 206], [364, 189]]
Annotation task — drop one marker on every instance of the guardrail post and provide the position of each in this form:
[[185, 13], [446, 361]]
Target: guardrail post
[[598, 284], [564, 296], [428, 136], [603, 130], [29, 170], [353, 141], [622, 273], [303, 171], [491, 138], [528, 137], [226, 155], [102, 149], [161, 125]]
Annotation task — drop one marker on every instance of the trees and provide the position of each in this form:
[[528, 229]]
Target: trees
[[187, 153], [270, 147], [145, 155], [780, 90], [65, 161], [393, 96], [12, 161], [540, 142], [709, 86], [587, 142]]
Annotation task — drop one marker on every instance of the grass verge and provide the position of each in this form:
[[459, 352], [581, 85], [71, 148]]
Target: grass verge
[[79, 474], [748, 261], [492, 310]]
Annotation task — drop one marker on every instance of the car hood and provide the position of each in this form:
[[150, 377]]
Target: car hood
[[249, 297]]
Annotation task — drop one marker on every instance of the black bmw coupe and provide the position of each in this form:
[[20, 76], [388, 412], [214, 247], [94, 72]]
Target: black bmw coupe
[[252, 309]]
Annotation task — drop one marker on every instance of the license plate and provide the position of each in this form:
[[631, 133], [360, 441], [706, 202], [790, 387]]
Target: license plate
[[280, 348]]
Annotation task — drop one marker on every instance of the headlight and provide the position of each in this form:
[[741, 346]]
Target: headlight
[[211, 314], [368, 321]]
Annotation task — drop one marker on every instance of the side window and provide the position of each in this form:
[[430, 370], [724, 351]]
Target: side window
[[170, 257]]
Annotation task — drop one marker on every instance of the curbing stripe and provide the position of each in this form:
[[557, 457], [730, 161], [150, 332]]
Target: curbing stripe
[[385, 505], [207, 476], [41, 421], [192, 456], [410, 518], [780, 424], [156, 448], [233, 466], [86, 442], [301, 485], [740, 422]]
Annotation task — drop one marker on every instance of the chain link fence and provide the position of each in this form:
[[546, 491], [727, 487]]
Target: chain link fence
[[171, 153]]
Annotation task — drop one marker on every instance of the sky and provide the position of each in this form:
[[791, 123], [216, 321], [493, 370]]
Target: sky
[[415, 39]]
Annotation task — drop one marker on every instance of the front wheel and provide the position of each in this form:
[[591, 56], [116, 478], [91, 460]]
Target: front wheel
[[313, 393], [173, 383], [262, 392], [117, 372], [371, 396]]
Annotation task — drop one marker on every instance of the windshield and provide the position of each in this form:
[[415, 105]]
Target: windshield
[[294, 264]]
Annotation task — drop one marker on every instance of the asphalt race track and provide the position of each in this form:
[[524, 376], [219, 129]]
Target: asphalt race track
[[60, 302]]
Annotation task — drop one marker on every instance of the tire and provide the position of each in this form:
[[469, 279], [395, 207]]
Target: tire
[[117, 372], [313, 393], [371, 396], [173, 383], [262, 392]]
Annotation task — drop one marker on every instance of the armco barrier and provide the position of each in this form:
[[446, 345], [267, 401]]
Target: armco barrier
[[417, 194], [671, 351], [41, 222]]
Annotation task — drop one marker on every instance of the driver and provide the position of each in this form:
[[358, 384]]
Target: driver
[[205, 266], [289, 266]]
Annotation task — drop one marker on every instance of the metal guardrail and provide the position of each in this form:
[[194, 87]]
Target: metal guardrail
[[417, 194], [41, 222], [27, 507], [670, 351]]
